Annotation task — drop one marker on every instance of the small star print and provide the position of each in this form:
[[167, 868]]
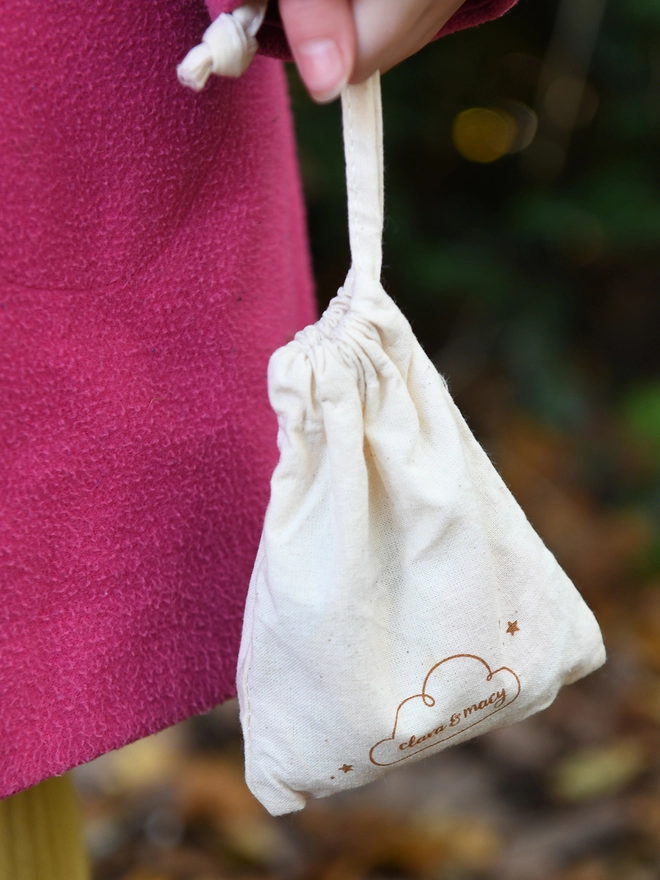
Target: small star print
[[512, 628], [346, 768]]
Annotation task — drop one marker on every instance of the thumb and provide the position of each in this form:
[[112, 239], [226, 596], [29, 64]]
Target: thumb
[[322, 37]]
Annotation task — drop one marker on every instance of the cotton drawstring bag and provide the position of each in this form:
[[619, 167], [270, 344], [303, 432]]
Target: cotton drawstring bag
[[400, 602]]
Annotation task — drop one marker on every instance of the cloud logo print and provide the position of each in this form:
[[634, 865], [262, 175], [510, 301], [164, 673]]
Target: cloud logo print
[[459, 693]]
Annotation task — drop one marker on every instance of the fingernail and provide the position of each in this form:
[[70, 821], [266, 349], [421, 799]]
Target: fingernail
[[322, 68]]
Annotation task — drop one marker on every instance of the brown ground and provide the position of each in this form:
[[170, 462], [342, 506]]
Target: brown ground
[[571, 794]]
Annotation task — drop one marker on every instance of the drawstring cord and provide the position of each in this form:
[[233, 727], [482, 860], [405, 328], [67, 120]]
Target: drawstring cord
[[227, 48]]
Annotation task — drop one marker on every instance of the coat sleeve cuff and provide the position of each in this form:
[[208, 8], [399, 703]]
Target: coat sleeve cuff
[[474, 12], [272, 39]]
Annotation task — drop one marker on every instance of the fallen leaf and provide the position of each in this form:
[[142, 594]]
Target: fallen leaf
[[593, 773], [369, 841], [215, 787]]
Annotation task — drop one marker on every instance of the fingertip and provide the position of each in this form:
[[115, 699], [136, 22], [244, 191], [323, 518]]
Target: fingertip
[[322, 38], [322, 67]]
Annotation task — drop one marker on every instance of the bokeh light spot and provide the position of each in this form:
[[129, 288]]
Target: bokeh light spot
[[569, 100], [483, 135]]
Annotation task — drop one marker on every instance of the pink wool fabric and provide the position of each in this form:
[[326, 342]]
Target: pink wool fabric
[[152, 257]]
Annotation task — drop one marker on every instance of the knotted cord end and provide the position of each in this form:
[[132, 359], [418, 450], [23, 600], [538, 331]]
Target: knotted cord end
[[228, 46], [195, 68]]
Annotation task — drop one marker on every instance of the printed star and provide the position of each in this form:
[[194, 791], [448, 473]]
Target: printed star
[[512, 628], [346, 768]]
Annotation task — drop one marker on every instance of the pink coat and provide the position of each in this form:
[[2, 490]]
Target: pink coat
[[152, 256]]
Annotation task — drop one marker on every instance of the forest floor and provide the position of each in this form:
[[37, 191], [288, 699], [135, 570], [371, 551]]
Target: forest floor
[[570, 794]]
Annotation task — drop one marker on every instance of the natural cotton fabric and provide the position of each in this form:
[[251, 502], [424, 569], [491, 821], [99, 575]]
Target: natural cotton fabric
[[400, 600]]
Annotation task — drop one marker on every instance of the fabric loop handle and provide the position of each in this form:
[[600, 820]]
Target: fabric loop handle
[[363, 148], [227, 49]]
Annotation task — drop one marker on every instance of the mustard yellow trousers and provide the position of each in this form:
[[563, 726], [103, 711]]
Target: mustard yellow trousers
[[41, 834]]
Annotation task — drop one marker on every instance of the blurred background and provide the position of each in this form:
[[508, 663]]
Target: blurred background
[[523, 242]]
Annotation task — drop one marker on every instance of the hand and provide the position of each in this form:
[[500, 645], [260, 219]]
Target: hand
[[335, 42]]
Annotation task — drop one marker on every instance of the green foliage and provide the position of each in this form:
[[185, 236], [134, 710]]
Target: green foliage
[[645, 12], [641, 413], [557, 278]]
